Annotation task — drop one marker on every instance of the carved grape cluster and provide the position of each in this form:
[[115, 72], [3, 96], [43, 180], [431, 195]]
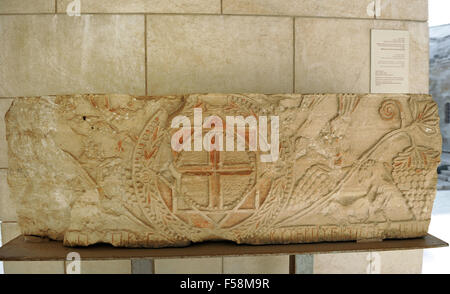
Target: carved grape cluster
[[411, 171]]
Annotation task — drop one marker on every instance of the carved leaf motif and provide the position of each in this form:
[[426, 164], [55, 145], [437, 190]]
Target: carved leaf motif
[[119, 148], [425, 116], [347, 104], [416, 157]]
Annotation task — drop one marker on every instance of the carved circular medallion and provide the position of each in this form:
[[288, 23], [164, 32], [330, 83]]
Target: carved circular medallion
[[202, 189]]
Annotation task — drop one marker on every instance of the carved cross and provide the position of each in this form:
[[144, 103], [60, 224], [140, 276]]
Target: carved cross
[[214, 169]]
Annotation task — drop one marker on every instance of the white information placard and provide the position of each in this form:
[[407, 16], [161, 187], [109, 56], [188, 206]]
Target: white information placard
[[389, 61]]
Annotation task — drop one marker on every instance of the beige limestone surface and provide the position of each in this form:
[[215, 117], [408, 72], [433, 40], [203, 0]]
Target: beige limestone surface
[[143, 6], [27, 6], [34, 267], [10, 231], [4, 106], [403, 9], [212, 265], [60, 54], [100, 168], [7, 207], [273, 264], [327, 60], [205, 53], [321, 8]]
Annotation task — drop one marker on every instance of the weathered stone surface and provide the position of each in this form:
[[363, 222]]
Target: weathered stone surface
[[100, 168]]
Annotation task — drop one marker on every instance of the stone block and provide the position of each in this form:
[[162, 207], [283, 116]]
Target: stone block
[[60, 54], [131, 171], [201, 54]]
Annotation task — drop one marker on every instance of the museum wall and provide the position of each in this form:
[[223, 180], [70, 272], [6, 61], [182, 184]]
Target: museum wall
[[156, 47]]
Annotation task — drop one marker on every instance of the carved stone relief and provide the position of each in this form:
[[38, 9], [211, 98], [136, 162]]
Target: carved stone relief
[[102, 168]]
